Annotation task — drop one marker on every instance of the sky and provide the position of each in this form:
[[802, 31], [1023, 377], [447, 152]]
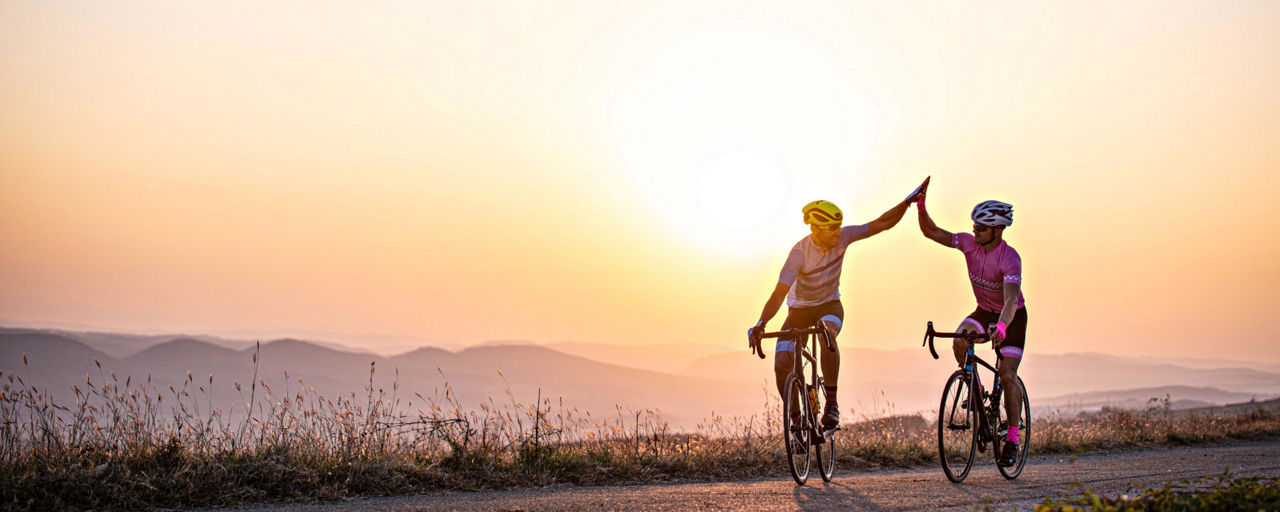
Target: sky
[[396, 174]]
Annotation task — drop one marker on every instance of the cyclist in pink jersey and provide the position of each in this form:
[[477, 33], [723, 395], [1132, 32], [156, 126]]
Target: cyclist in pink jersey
[[995, 271]]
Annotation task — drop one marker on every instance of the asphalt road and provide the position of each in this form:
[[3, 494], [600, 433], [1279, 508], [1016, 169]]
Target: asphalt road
[[911, 489]]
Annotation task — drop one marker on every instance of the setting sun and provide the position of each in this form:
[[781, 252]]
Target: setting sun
[[726, 129]]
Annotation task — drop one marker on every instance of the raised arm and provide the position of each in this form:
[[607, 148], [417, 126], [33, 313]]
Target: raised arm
[[887, 219], [930, 230], [890, 218]]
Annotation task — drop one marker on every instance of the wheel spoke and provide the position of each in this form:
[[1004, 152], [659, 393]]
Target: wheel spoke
[[957, 439], [797, 437], [1024, 434]]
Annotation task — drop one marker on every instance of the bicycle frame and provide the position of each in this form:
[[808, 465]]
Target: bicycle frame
[[970, 358], [805, 338]]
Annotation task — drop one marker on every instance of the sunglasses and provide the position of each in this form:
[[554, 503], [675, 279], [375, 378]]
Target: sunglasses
[[835, 227], [978, 228]]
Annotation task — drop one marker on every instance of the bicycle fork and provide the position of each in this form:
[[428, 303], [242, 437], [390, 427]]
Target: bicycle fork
[[991, 412]]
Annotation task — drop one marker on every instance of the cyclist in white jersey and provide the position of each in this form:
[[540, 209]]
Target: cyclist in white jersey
[[810, 284]]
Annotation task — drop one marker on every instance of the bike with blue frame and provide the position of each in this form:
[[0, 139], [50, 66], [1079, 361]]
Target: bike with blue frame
[[970, 418]]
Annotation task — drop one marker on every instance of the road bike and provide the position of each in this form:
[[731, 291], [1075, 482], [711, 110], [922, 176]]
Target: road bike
[[958, 439], [805, 441]]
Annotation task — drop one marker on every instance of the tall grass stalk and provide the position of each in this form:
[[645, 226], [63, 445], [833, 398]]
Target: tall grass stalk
[[127, 445]]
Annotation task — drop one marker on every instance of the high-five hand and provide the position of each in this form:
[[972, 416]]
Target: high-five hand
[[918, 194]]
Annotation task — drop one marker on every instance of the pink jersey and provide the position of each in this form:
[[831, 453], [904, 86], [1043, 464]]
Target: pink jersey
[[989, 270]]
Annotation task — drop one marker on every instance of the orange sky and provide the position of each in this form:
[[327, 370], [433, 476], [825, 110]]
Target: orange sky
[[393, 174]]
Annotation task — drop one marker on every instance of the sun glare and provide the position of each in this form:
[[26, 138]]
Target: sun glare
[[741, 190], [723, 128]]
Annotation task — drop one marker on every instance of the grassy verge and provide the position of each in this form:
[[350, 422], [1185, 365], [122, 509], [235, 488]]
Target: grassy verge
[[1208, 493], [128, 445]]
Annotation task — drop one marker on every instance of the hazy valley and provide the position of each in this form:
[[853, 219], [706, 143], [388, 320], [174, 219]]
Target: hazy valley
[[684, 385]]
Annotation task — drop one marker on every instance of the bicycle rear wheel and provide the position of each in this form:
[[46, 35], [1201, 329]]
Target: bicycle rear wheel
[[825, 452], [1024, 435], [797, 436], [958, 425]]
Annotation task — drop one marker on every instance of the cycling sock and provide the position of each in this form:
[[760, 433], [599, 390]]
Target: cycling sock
[[1012, 437], [831, 394]]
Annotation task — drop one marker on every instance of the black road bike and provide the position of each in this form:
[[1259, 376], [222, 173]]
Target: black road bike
[[970, 418], [805, 440]]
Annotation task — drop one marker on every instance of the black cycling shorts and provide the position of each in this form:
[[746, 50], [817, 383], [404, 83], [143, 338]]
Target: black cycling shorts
[[1015, 340], [799, 318]]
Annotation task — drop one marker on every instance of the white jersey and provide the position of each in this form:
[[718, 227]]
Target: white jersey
[[813, 273]]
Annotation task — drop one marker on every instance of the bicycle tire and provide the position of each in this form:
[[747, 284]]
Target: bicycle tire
[[794, 396], [1024, 436], [825, 453], [957, 424]]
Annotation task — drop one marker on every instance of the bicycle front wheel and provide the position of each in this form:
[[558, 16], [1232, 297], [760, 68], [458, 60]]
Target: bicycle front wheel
[[797, 432], [1024, 434], [958, 425]]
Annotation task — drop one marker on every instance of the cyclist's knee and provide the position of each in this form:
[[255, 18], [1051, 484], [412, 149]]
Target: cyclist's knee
[[1009, 369], [969, 325], [832, 324], [1008, 378], [783, 361]]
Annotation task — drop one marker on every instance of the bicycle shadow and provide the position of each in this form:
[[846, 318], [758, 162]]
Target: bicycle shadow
[[829, 495], [984, 489], [903, 494]]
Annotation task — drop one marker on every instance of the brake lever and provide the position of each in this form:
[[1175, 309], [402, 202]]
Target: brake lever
[[928, 338]]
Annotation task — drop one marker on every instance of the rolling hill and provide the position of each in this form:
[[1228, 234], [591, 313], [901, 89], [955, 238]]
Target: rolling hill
[[873, 383]]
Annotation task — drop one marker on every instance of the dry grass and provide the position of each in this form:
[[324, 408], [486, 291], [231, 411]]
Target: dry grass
[[127, 445]]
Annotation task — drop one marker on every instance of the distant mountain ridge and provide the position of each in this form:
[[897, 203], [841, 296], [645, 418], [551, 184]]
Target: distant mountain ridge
[[911, 380], [873, 382], [1174, 397], [476, 375], [120, 345]]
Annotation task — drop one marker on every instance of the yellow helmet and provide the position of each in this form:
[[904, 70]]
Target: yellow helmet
[[822, 213]]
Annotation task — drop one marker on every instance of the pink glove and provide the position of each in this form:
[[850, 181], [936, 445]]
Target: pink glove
[[1001, 328]]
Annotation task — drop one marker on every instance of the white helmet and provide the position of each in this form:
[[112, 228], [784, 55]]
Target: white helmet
[[993, 213]]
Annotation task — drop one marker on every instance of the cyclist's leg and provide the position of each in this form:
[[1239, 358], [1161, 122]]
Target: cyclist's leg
[[830, 316], [974, 323], [783, 362], [1010, 358], [784, 356], [832, 319], [1009, 383]]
